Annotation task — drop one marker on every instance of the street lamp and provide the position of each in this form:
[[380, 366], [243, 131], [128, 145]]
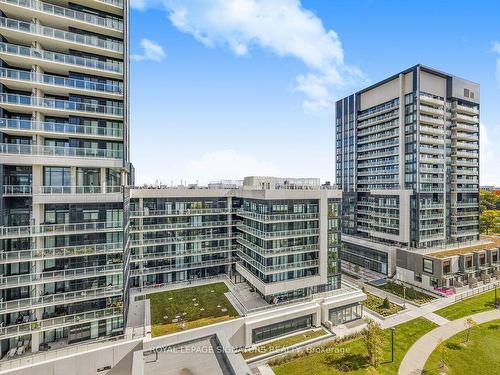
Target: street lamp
[[392, 343]]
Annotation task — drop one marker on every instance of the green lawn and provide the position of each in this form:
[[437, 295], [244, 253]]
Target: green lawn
[[469, 306], [411, 294], [283, 343], [188, 308], [478, 356], [351, 357], [375, 303]]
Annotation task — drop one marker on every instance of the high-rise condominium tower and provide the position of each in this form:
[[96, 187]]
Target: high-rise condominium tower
[[63, 161], [407, 158]]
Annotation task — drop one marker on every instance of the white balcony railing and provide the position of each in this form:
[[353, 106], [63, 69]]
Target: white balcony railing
[[91, 19], [52, 80], [40, 150], [62, 35], [58, 104], [47, 229], [79, 190], [57, 127], [16, 190]]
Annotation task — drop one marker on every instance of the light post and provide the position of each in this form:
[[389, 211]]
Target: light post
[[392, 343]]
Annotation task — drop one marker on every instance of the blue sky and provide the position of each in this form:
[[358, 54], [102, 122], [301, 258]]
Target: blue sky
[[228, 88]]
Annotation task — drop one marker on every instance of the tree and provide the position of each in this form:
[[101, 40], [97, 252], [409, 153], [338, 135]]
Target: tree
[[373, 340], [442, 356], [386, 304], [469, 324], [489, 220]]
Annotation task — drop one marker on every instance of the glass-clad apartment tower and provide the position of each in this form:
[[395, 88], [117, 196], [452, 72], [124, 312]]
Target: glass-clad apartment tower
[[63, 162], [407, 151]]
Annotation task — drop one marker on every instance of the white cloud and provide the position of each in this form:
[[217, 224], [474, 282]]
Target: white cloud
[[283, 27], [150, 51], [212, 166], [489, 155]]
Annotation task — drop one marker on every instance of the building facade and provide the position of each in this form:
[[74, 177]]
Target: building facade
[[64, 158], [407, 158], [280, 235]]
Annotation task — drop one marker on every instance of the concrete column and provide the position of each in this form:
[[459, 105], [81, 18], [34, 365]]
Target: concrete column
[[103, 180], [73, 180], [94, 330]]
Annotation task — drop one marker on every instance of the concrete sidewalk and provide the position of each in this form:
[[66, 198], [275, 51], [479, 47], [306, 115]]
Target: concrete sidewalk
[[414, 361]]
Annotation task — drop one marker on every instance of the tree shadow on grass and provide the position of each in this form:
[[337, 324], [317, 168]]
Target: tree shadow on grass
[[346, 363], [453, 346], [494, 326]]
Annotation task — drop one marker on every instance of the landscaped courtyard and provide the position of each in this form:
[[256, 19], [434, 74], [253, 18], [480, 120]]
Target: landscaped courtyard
[[477, 356], [187, 308], [381, 306], [350, 357], [409, 294], [469, 306]]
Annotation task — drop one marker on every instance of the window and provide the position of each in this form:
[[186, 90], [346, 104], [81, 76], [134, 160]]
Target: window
[[446, 266], [417, 277], [428, 265], [281, 328], [466, 93]]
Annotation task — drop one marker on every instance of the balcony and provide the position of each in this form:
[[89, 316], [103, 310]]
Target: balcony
[[179, 239], [57, 85], [48, 13], [110, 6], [57, 229], [272, 218], [277, 251], [26, 57], [16, 190], [278, 268], [431, 100], [179, 226], [59, 322], [465, 109], [57, 107], [60, 252], [137, 258], [465, 119], [19, 154], [145, 212], [27, 32], [62, 275], [23, 127], [278, 234], [466, 128], [49, 190], [432, 110], [180, 267], [431, 130], [59, 299]]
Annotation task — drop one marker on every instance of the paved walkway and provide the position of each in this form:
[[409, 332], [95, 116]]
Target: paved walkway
[[414, 360]]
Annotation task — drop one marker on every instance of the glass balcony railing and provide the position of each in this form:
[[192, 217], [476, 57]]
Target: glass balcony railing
[[57, 127], [64, 105], [115, 3], [110, 23], [67, 36], [47, 229], [39, 150], [16, 189], [61, 58], [60, 252], [71, 83], [79, 189]]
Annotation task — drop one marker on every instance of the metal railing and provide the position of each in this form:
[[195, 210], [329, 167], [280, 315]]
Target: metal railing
[[278, 217], [53, 80], [179, 226], [17, 190], [61, 58], [64, 105], [277, 234], [79, 189], [187, 212], [176, 254], [60, 252], [67, 36], [27, 230], [179, 267], [178, 239], [56, 127], [278, 267], [108, 22], [277, 250], [41, 150]]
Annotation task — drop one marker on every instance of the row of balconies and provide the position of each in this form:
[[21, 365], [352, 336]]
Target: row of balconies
[[431, 159], [15, 54], [145, 212], [59, 322], [463, 223], [179, 267], [28, 104], [136, 258], [58, 84], [431, 140], [32, 32], [179, 239], [379, 154], [377, 171], [465, 119], [431, 150], [465, 128], [277, 268], [466, 136], [464, 109], [59, 252], [26, 190], [429, 169], [59, 299], [464, 204], [30, 279], [270, 218], [430, 100], [386, 126], [20, 126], [179, 226], [51, 10], [377, 136], [431, 120], [276, 251], [376, 111], [432, 130], [378, 145], [431, 110], [378, 163], [278, 234], [41, 150], [57, 229], [381, 180]]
